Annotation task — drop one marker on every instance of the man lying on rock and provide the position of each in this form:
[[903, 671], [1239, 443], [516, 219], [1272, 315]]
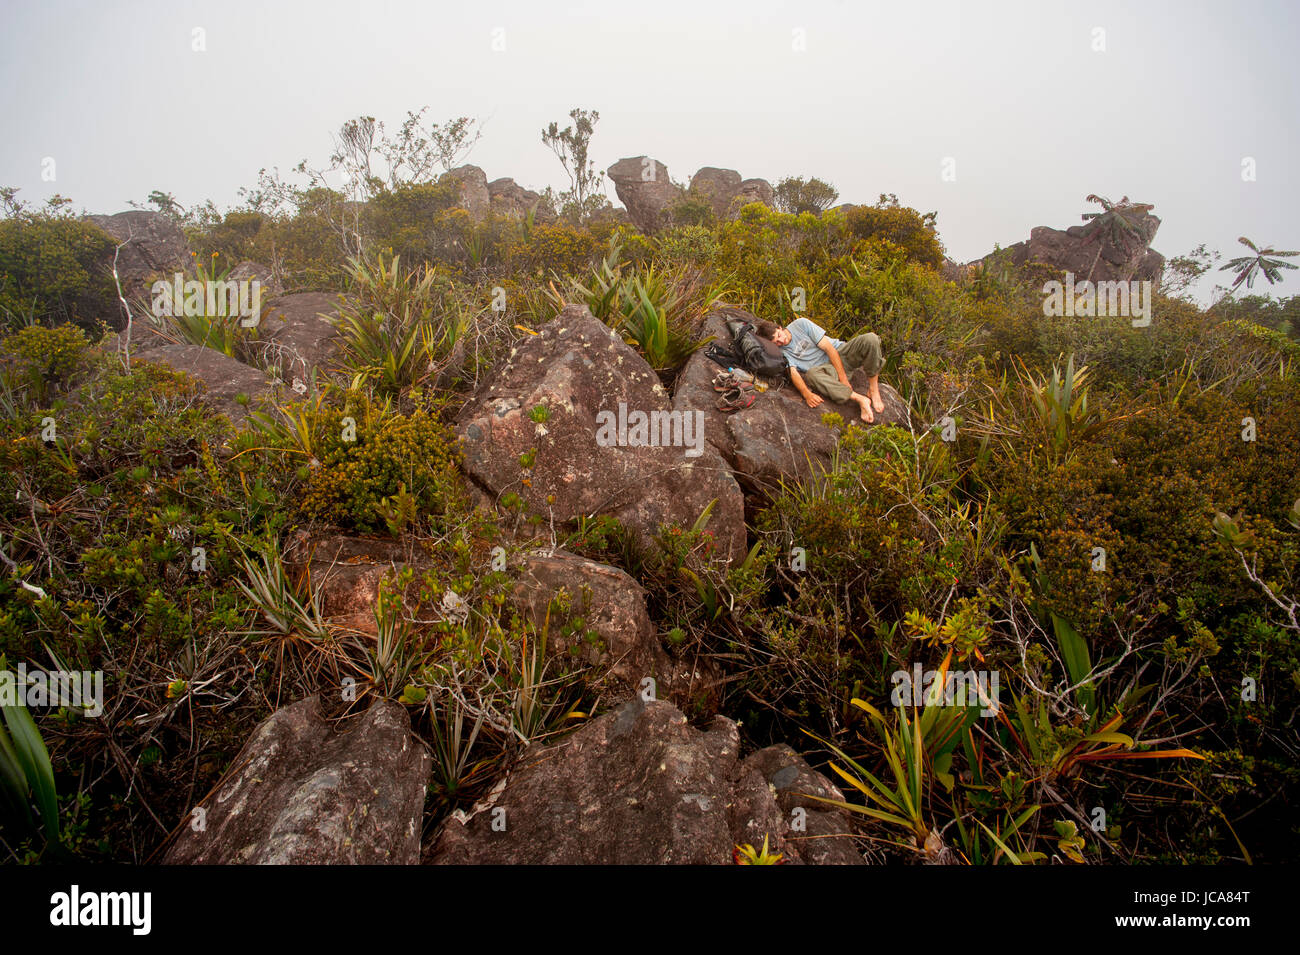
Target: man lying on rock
[[820, 365]]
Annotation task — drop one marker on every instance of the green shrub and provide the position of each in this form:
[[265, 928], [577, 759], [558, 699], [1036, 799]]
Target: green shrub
[[559, 249], [45, 359], [887, 224], [56, 269], [392, 454]]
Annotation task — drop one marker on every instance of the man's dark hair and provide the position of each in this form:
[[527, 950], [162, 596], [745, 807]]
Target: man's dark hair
[[765, 329]]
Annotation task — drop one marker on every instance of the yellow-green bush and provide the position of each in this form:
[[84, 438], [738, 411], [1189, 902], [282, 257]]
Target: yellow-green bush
[[45, 359], [348, 481], [559, 248], [899, 226]]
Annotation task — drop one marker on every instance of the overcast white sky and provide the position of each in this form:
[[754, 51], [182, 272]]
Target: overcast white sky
[[1014, 92]]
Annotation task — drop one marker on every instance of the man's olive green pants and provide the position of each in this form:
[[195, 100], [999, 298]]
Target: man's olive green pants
[[862, 351]]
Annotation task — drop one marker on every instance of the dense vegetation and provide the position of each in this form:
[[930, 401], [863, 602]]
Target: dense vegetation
[[1095, 528]]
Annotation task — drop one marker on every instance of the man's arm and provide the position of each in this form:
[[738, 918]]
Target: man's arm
[[826, 346], [796, 379]]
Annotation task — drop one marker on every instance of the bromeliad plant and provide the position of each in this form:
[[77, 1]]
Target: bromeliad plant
[[214, 324], [396, 325], [918, 752], [653, 309], [26, 775]]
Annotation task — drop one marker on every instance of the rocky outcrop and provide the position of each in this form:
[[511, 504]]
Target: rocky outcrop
[[229, 386], [717, 186], [474, 195], [557, 425], [779, 436], [296, 335], [618, 641], [753, 190], [302, 792], [643, 186], [1096, 251], [510, 199], [640, 786], [153, 247], [727, 193]]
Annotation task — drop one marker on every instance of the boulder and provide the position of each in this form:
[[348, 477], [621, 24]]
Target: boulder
[[153, 247], [718, 186], [296, 337], [510, 199], [304, 792], [346, 571], [1092, 251], [643, 186], [618, 641], [753, 190], [825, 837], [229, 386], [640, 786], [547, 428], [474, 194], [246, 271], [779, 436]]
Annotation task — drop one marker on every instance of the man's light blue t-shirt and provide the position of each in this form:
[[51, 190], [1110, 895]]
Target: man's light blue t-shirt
[[802, 352]]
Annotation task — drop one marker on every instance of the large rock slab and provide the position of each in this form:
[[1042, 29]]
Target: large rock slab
[[229, 386], [727, 193], [153, 247], [296, 336], [779, 436], [618, 642], [643, 186], [637, 786], [301, 792], [576, 369]]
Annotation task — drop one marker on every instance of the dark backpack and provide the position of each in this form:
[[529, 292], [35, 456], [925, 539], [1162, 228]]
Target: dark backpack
[[756, 355]]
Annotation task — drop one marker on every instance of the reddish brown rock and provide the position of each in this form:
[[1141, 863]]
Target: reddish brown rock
[[1094, 251], [297, 337], [640, 786], [533, 431], [305, 791], [618, 642]]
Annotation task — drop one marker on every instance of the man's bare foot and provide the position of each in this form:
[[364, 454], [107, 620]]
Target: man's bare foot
[[865, 404], [877, 400]]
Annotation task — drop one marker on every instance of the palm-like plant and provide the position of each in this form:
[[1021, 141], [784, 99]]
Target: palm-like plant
[[1263, 262], [1118, 221]]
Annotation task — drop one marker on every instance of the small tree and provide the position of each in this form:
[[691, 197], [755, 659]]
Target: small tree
[[571, 147], [794, 195]]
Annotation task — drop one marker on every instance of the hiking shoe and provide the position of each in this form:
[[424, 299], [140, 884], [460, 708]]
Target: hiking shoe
[[737, 399]]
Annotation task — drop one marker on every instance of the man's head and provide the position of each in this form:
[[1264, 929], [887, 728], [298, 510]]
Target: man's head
[[773, 333]]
